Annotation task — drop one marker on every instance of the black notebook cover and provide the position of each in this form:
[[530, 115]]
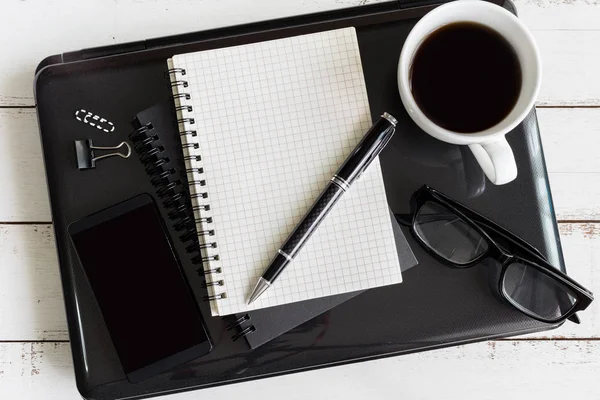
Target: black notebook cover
[[158, 127]]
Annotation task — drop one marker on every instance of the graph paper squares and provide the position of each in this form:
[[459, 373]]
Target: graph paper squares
[[275, 120]]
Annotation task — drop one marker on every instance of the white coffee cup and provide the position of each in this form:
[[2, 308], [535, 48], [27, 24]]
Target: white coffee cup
[[489, 146]]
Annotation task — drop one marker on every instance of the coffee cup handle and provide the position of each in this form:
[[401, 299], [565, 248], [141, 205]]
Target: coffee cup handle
[[497, 160]]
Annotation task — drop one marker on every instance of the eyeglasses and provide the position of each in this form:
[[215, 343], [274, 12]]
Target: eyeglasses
[[462, 238]]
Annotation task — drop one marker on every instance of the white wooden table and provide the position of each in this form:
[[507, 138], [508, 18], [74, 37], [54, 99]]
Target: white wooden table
[[35, 359]]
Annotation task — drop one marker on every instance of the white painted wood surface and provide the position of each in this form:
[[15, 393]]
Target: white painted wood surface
[[560, 363]]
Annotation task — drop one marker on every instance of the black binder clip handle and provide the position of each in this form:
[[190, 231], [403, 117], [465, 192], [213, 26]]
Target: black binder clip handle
[[86, 158]]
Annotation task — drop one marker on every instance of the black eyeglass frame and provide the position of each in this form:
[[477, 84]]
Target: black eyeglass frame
[[531, 257]]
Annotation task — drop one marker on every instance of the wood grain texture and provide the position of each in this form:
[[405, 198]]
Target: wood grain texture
[[29, 277], [31, 301], [564, 132], [493, 370], [566, 31], [23, 193], [570, 138], [36, 371]]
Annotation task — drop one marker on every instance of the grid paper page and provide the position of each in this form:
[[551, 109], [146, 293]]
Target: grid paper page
[[275, 120]]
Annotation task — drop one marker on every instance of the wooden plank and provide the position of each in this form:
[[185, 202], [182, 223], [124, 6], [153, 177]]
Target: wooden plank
[[23, 193], [566, 31], [513, 369], [576, 195], [31, 301], [36, 371], [569, 67], [29, 278], [570, 137], [562, 15]]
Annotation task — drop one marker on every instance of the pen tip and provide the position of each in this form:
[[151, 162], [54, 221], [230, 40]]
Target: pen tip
[[259, 289]]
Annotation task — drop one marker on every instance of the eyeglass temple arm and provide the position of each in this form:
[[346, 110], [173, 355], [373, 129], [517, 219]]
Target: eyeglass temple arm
[[486, 222]]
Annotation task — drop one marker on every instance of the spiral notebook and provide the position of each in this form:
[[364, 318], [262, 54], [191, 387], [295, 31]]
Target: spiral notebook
[[264, 126]]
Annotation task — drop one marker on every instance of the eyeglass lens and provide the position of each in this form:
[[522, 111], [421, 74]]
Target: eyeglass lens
[[539, 294], [448, 235]]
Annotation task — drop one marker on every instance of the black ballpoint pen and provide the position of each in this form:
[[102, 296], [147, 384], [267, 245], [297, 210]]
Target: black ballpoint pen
[[357, 162]]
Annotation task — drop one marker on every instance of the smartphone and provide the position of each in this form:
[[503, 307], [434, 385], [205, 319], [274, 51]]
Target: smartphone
[[137, 280]]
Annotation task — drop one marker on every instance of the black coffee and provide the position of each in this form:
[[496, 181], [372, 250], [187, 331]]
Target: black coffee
[[465, 77]]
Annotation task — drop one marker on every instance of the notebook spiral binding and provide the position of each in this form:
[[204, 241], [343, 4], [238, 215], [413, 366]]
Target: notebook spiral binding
[[174, 196], [169, 187], [202, 224], [200, 204], [237, 324]]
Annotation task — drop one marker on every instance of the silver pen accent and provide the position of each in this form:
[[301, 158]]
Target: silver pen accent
[[341, 183], [286, 255]]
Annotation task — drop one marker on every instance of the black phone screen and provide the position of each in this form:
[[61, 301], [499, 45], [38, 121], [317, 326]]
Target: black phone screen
[[138, 283]]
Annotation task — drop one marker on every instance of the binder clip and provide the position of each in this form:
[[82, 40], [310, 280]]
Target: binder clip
[[86, 158]]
